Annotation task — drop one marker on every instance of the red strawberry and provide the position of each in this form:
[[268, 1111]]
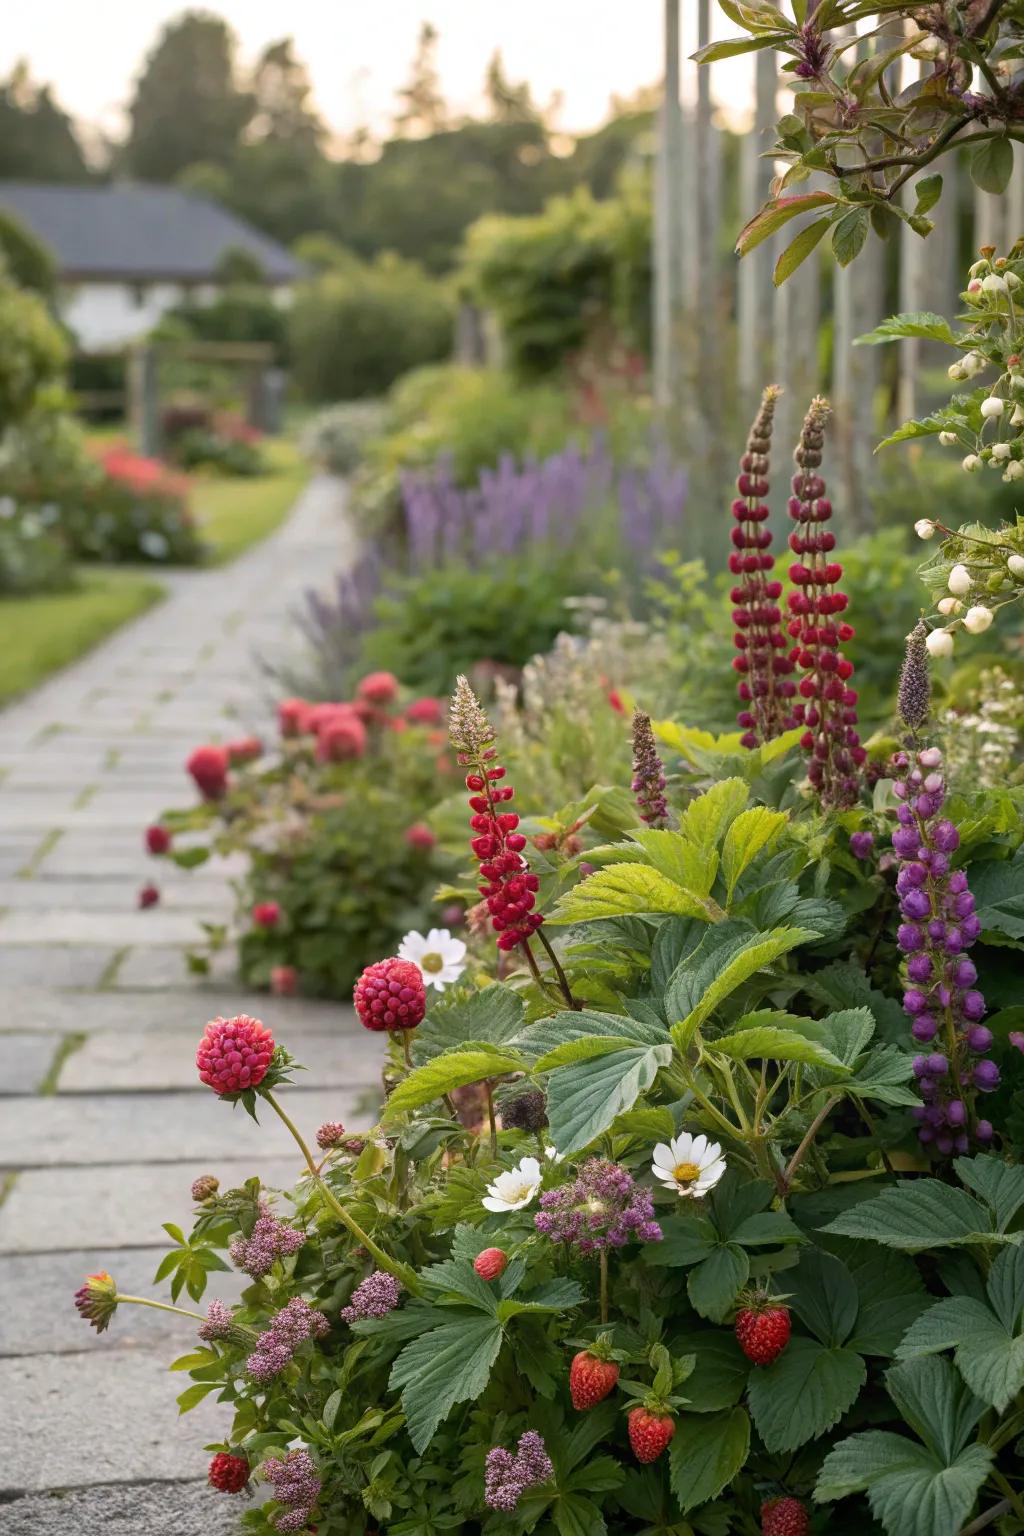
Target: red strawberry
[[491, 1263], [591, 1379], [784, 1517], [762, 1330], [649, 1433]]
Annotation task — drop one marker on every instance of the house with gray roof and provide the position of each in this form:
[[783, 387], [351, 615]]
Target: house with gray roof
[[127, 252]]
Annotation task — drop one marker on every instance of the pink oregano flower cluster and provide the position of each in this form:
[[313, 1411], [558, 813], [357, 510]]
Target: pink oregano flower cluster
[[270, 1239], [508, 1476], [296, 1484], [603, 1207], [292, 1326], [375, 1296]]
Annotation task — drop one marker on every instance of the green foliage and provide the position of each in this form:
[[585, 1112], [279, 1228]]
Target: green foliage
[[24, 259], [37, 139], [352, 333], [32, 352]]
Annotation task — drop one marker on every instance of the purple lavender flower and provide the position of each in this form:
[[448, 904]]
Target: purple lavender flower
[[292, 1326], [862, 844], [939, 924], [296, 1484], [601, 1208], [269, 1241], [507, 1477], [648, 775], [375, 1296]]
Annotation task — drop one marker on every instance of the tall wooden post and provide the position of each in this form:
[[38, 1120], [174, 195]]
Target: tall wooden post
[[754, 296], [144, 399], [668, 256]]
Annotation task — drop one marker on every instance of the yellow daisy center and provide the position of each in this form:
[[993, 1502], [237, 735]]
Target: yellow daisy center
[[432, 962], [685, 1173]]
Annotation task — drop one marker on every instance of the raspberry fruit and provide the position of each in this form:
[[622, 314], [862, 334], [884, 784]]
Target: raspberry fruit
[[149, 895], [762, 1331], [284, 980], [491, 1263], [209, 768], [340, 737], [331, 1134], [784, 1517], [205, 1187], [591, 1380], [158, 839], [234, 1054], [266, 914], [379, 688], [649, 1433], [391, 995], [228, 1473]]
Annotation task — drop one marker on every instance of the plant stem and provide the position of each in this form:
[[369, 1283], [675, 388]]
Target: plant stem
[[1004, 1488], [531, 961], [161, 1306], [604, 1285], [556, 965], [805, 1146], [491, 1121], [406, 1049], [383, 1260], [988, 1518]]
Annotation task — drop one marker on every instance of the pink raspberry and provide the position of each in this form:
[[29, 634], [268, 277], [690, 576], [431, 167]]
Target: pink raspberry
[[425, 712], [266, 914], [234, 1054], [284, 980], [148, 896], [291, 716], [245, 750], [420, 836], [158, 839], [391, 995], [379, 688], [209, 767], [331, 1134], [341, 736]]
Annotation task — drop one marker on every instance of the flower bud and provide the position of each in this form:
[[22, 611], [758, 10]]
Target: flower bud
[[949, 605], [948, 439], [959, 581], [924, 528], [1017, 417], [971, 464], [993, 283], [1013, 471], [940, 644], [977, 620], [974, 362], [1001, 452], [992, 407], [1015, 566], [957, 371]]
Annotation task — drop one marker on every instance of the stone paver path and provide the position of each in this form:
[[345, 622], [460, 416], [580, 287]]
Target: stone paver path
[[103, 1124]]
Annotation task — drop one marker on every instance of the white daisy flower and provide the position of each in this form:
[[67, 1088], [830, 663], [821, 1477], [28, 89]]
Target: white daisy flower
[[439, 958], [691, 1165], [553, 1155], [514, 1189]]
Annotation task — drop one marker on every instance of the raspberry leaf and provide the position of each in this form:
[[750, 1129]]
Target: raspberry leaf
[[804, 1392], [701, 1465], [447, 1365]]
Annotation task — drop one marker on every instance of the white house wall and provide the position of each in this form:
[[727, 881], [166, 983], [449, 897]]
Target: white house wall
[[105, 315]]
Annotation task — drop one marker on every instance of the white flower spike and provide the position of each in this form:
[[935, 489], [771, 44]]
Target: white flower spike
[[691, 1165], [514, 1189], [439, 958]]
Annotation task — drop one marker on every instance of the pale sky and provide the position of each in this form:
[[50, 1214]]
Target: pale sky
[[357, 51]]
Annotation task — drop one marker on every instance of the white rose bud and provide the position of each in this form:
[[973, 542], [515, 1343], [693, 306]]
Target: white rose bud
[[992, 407], [971, 464], [1017, 418], [977, 620], [947, 606], [974, 362], [1012, 280], [1013, 471], [939, 643], [1001, 452], [994, 283], [949, 439], [1015, 566], [959, 580], [924, 528]]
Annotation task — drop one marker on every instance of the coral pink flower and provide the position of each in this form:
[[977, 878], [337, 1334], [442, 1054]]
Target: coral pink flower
[[379, 688], [420, 836], [340, 737], [284, 980], [391, 995], [245, 750], [266, 914], [209, 768], [234, 1054], [148, 896], [96, 1300], [291, 716], [158, 839], [425, 712]]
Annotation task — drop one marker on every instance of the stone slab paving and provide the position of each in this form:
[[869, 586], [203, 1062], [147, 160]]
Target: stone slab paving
[[103, 1125]]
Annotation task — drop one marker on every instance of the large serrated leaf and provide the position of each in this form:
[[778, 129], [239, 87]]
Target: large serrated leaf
[[702, 1464], [909, 1489], [916, 1215], [711, 982], [751, 832], [923, 323], [452, 1070], [623, 889], [803, 1393], [491, 1016], [451, 1364], [585, 1098], [768, 1043]]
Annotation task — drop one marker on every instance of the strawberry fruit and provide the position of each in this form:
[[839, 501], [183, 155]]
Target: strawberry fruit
[[762, 1330], [591, 1379], [784, 1517], [491, 1263], [649, 1433]]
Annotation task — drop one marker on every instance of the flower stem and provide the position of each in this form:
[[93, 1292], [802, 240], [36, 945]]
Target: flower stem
[[556, 965], [604, 1284], [805, 1146], [161, 1306], [395, 1267], [406, 1049], [531, 961], [492, 1123]]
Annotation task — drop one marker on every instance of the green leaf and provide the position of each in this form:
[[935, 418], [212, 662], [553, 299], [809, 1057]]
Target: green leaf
[[574, 1515], [720, 1374], [909, 1489], [623, 889], [454, 1069], [776, 214], [798, 250], [923, 323], [929, 190], [685, 1240], [882, 1075], [730, 47], [992, 165], [918, 1214], [332, 1408], [709, 815], [492, 1016], [193, 1396], [1000, 1185], [935, 1403], [711, 982], [769, 1044], [585, 1098], [849, 235], [702, 1464], [998, 889], [457, 1277], [1006, 1287], [823, 1295], [803, 1393], [891, 1297], [989, 1359], [751, 832], [716, 1282], [680, 859], [451, 1364]]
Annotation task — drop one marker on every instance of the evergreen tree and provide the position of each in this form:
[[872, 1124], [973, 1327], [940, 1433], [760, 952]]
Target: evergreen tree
[[37, 139], [424, 110]]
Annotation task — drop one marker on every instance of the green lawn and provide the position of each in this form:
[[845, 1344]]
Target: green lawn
[[234, 513], [46, 632]]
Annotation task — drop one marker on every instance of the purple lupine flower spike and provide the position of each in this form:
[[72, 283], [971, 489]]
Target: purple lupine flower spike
[[648, 774]]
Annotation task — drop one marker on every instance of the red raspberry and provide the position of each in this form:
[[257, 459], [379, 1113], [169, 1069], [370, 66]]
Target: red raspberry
[[391, 995], [762, 1330], [784, 1517], [291, 716], [591, 1379], [209, 767], [158, 839], [379, 688], [331, 1134], [491, 1263], [148, 896], [228, 1473], [420, 836], [425, 712], [284, 980], [266, 914], [234, 1054], [649, 1433], [340, 737]]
